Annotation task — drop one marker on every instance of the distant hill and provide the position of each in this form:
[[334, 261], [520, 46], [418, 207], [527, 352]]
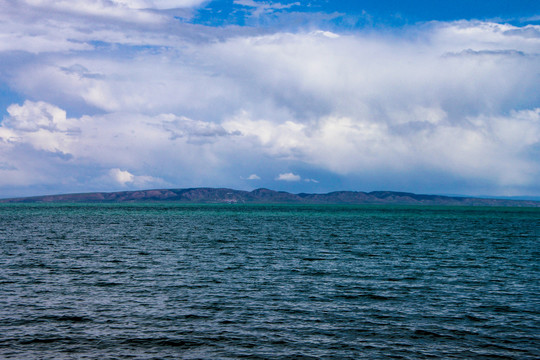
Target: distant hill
[[266, 196]]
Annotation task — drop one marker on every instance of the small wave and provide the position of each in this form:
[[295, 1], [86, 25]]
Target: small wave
[[431, 334], [106, 283], [363, 296], [46, 319], [314, 272], [167, 342], [474, 318], [43, 340], [66, 318], [498, 308]]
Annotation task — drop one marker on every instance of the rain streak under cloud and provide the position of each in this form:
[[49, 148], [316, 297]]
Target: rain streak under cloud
[[116, 95]]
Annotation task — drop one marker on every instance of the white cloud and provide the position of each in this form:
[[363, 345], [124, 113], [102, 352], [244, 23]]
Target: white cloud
[[121, 176], [482, 147], [159, 4], [288, 177], [33, 116], [120, 10], [184, 148], [178, 102], [262, 7], [253, 177], [124, 178], [327, 34], [39, 124]]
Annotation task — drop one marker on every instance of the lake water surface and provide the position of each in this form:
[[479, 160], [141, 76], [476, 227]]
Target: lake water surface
[[171, 281]]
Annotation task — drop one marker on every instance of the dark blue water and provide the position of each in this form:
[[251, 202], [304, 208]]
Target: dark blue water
[[268, 282]]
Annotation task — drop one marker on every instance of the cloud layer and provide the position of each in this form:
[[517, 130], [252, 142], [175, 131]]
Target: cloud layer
[[123, 94]]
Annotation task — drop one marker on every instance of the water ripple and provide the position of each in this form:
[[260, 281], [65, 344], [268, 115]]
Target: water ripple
[[168, 281]]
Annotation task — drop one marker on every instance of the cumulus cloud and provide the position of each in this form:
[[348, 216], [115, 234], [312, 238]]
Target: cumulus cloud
[[288, 177], [39, 124], [115, 9], [121, 176], [253, 177], [484, 147], [124, 177], [159, 4], [182, 147], [51, 26], [178, 102]]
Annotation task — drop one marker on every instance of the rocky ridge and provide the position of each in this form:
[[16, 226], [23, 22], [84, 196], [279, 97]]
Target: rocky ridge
[[267, 196]]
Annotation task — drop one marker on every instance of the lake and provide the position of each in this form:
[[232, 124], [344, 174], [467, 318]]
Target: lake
[[174, 281]]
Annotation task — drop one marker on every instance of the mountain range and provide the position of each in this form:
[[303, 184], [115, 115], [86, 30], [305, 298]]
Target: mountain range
[[267, 196]]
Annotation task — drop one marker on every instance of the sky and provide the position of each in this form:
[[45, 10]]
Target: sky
[[436, 97]]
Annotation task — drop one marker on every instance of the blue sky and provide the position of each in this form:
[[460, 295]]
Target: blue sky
[[351, 14], [304, 96]]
